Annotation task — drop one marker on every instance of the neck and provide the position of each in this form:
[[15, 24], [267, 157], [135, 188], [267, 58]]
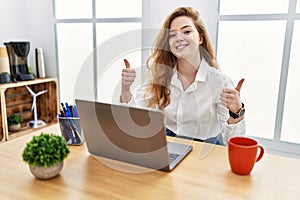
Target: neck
[[187, 68], [187, 72]]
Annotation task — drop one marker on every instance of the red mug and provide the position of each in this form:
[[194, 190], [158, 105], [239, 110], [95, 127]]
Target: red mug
[[242, 154]]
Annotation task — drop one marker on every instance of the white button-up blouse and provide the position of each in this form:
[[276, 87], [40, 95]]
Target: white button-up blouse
[[197, 112]]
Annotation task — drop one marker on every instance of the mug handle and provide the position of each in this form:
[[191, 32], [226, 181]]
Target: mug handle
[[261, 153]]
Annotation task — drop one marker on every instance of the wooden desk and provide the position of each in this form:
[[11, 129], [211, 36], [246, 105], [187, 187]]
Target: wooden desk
[[84, 177]]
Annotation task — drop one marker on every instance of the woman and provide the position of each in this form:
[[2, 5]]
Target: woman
[[198, 100]]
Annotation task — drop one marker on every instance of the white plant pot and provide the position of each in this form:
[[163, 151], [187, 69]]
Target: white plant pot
[[15, 127], [46, 172]]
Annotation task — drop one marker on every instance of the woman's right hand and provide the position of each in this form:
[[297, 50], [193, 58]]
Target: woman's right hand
[[128, 77]]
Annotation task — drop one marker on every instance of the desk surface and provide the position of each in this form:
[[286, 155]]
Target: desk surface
[[208, 177]]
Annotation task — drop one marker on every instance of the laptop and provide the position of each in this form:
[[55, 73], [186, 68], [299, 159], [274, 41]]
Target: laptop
[[129, 134]]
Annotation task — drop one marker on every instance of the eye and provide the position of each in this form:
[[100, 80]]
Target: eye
[[172, 35], [187, 32]]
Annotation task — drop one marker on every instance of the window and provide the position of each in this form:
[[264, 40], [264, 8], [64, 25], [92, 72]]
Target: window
[[83, 27], [73, 47], [73, 9], [124, 41], [246, 49], [118, 8], [291, 125], [259, 40], [244, 7]]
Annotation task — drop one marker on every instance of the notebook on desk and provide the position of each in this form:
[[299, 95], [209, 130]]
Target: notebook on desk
[[129, 134]]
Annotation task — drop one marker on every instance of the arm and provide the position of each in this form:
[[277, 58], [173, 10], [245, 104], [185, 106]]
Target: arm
[[138, 98], [230, 100], [229, 130]]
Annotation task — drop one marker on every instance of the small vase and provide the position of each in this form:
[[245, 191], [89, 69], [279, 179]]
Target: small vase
[[14, 128], [46, 172]]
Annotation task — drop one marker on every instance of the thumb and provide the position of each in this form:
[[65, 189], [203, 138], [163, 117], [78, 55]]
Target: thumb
[[239, 85], [126, 63]]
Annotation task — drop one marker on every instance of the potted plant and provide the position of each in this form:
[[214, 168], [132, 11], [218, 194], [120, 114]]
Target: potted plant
[[14, 122], [45, 155]]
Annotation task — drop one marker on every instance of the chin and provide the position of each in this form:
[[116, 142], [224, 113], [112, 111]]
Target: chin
[[181, 56]]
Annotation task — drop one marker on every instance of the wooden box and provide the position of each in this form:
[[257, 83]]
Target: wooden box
[[15, 98]]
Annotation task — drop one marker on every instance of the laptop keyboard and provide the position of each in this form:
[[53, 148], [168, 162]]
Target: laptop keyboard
[[173, 156]]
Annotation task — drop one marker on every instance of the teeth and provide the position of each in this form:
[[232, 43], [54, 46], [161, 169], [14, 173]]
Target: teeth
[[181, 46]]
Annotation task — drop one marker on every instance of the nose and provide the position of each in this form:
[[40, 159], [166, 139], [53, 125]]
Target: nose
[[179, 37]]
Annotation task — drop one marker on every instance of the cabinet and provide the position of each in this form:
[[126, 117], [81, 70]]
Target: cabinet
[[15, 98]]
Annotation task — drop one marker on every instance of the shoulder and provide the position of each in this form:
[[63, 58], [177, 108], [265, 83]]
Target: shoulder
[[215, 76]]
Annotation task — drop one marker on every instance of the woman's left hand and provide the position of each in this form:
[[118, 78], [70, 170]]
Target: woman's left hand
[[230, 98]]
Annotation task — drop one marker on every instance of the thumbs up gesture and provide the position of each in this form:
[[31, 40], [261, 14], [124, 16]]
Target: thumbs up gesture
[[128, 77], [230, 98]]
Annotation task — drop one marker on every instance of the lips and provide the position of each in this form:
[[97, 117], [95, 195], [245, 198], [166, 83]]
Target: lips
[[181, 46]]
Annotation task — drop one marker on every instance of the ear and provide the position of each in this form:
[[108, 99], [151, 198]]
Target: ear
[[200, 39]]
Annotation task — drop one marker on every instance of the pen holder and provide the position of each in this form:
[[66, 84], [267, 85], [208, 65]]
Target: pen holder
[[71, 130]]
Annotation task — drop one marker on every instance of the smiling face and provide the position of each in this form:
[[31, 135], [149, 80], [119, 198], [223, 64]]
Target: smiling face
[[184, 38]]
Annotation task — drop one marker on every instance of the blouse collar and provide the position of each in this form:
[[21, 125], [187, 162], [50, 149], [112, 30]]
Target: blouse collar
[[200, 76]]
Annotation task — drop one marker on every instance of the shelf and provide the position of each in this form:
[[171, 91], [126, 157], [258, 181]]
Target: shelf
[[27, 130], [15, 98]]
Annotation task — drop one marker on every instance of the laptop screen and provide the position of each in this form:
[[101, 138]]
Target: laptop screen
[[123, 133]]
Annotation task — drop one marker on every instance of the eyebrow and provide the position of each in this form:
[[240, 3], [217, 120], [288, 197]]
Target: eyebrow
[[186, 26]]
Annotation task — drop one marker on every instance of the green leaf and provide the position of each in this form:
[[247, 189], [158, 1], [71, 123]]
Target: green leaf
[[45, 150]]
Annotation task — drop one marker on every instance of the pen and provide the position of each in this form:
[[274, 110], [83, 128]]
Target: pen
[[64, 109], [71, 110], [75, 130], [69, 113], [71, 133], [62, 114], [75, 111]]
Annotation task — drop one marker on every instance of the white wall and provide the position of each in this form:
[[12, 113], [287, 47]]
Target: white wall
[[41, 32], [30, 20], [13, 20]]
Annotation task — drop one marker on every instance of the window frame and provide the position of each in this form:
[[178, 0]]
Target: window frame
[[94, 21]]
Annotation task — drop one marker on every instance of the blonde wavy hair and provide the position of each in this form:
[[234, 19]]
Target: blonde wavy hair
[[162, 61]]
